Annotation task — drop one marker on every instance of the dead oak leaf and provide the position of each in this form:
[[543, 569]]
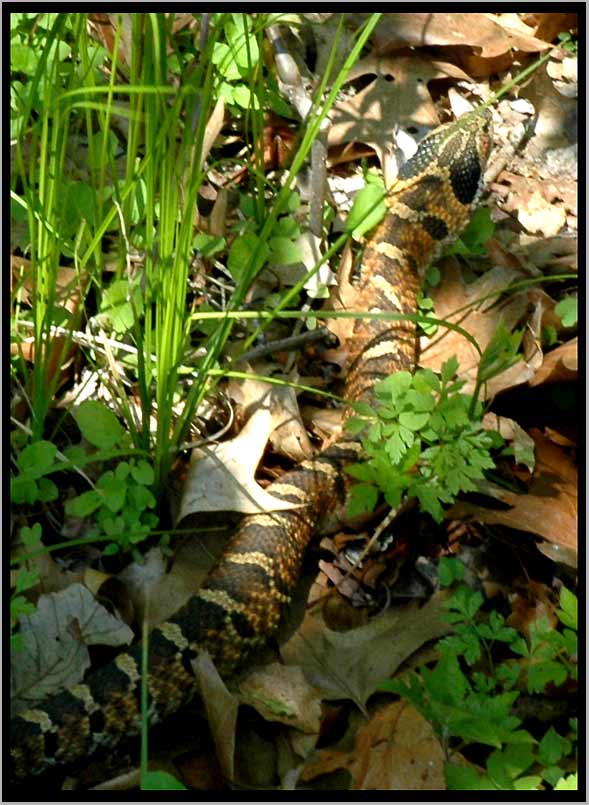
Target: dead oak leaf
[[397, 98], [549, 507], [473, 307], [473, 30], [349, 665], [55, 639], [396, 750]]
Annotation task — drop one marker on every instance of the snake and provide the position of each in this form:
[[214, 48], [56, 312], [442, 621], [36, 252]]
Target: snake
[[241, 602]]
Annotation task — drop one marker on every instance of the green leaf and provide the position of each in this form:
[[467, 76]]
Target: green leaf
[[465, 778], [449, 369], [23, 489], [500, 353], [544, 673], [31, 535], [568, 613], [223, 58], [99, 426], [413, 420], [143, 473], [122, 304], [449, 571], [503, 766], [428, 500], [553, 747], [362, 499], [568, 311], [530, 783], [477, 233], [394, 387], [355, 425], [207, 244], [84, 504], [241, 254], [47, 490], [160, 781], [25, 579], [567, 783], [37, 458], [367, 211], [284, 251], [142, 498], [114, 491]]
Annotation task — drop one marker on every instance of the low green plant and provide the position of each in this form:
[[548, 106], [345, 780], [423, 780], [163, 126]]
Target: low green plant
[[568, 310], [423, 437], [121, 499], [24, 579], [420, 441], [469, 695]]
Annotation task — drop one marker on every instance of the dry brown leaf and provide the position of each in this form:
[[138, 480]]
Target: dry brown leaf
[[221, 477], [483, 32], [559, 365], [453, 294], [281, 693], [541, 217], [526, 609], [396, 750], [157, 595], [221, 707], [397, 98], [548, 509], [349, 665], [55, 643], [289, 438]]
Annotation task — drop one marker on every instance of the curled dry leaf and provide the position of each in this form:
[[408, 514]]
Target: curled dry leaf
[[398, 97], [548, 508], [396, 750], [221, 707], [559, 365]]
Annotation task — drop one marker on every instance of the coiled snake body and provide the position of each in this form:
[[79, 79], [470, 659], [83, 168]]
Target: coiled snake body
[[242, 600]]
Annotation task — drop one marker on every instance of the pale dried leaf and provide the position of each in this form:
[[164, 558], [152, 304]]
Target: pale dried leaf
[[283, 694], [156, 594], [221, 707], [483, 32], [540, 216], [55, 640], [397, 100], [221, 477], [349, 665]]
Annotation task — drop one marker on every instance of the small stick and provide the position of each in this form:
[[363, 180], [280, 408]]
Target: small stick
[[287, 344]]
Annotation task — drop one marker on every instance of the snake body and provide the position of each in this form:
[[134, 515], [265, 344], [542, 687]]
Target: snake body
[[244, 596]]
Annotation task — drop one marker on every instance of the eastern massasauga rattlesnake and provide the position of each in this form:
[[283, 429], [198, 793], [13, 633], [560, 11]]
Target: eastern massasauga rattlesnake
[[242, 599]]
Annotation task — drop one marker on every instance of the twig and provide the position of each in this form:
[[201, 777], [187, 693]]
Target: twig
[[287, 344]]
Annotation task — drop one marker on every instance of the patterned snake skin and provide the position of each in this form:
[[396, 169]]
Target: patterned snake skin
[[242, 600]]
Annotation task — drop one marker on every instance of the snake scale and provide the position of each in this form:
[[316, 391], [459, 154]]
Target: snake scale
[[241, 602]]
